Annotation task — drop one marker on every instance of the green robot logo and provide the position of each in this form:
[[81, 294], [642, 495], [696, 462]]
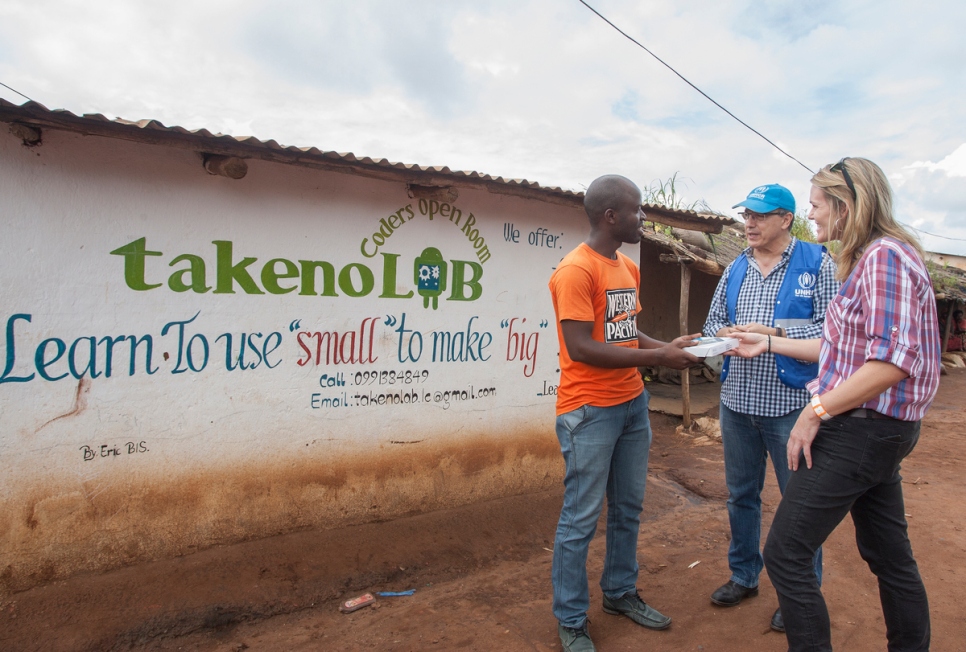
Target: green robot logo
[[430, 276]]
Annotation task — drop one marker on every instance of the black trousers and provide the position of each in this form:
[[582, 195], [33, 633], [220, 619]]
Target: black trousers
[[855, 469]]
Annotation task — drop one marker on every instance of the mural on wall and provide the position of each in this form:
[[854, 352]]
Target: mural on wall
[[430, 306], [189, 360]]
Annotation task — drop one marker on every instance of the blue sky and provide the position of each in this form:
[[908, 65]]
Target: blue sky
[[535, 89]]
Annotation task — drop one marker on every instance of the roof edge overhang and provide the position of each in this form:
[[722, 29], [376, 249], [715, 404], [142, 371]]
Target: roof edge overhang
[[204, 142]]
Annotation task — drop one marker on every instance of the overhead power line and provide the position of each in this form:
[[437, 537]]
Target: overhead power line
[[742, 122], [944, 237], [15, 91], [630, 38], [708, 97]]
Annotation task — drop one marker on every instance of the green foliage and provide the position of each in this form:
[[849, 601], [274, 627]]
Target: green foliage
[[801, 228], [665, 193], [660, 228], [942, 279]]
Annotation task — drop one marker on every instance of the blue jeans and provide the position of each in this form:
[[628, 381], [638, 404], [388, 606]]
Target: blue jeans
[[855, 469], [747, 440], [605, 450]]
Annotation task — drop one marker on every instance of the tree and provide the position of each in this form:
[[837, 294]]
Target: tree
[[801, 228]]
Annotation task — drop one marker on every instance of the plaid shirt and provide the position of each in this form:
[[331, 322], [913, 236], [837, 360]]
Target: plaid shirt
[[752, 385], [886, 311]]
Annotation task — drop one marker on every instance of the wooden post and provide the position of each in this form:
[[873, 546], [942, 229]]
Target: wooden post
[[949, 324], [683, 317]]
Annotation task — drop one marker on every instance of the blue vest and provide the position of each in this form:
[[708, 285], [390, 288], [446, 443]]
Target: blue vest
[[793, 306]]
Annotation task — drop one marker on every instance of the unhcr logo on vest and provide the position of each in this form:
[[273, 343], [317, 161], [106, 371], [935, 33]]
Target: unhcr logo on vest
[[806, 285]]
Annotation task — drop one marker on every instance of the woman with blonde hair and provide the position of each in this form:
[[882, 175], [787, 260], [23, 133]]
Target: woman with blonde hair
[[879, 363]]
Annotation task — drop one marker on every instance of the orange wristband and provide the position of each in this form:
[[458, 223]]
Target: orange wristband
[[819, 408]]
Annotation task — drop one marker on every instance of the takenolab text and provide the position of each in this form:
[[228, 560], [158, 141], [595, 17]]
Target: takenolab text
[[313, 278]]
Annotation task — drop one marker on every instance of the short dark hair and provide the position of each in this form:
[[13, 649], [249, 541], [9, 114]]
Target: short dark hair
[[606, 192]]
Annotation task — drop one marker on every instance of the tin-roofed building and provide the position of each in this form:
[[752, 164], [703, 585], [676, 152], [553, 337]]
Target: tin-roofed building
[[208, 339]]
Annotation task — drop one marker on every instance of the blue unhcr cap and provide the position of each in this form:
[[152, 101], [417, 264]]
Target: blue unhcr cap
[[765, 199]]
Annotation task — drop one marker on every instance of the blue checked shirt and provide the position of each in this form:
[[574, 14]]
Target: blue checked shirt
[[752, 386]]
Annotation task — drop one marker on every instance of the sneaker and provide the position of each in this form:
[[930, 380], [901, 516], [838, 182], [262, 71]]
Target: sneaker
[[631, 605], [575, 639]]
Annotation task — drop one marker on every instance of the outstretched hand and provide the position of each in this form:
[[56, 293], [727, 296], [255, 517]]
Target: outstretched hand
[[675, 353], [752, 344], [754, 328], [685, 340]]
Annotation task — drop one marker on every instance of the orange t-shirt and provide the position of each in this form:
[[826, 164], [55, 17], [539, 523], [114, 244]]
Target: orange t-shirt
[[589, 287]]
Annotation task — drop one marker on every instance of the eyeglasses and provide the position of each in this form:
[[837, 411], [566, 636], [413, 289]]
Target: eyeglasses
[[840, 167], [752, 216]]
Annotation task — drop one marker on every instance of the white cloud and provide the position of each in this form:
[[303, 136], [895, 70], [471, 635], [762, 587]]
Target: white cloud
[[953, 165], [931, 196], [536, 89]]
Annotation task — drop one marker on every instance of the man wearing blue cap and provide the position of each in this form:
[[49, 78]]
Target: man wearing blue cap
[[780, 286]]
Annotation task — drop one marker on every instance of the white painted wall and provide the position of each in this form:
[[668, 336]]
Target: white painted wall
[[186, 452]]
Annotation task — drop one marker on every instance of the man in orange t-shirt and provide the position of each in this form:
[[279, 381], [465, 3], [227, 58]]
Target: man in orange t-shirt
[[602, 418]]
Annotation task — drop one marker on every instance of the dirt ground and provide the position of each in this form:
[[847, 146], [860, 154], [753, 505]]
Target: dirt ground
[[481, 574]]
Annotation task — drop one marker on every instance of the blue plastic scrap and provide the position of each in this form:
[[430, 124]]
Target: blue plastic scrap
[[395, 594]]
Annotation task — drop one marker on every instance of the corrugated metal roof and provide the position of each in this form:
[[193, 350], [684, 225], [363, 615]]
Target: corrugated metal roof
[[64, 119], [33, 113]]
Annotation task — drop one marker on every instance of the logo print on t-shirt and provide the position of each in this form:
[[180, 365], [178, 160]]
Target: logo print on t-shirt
[[620, 324]]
